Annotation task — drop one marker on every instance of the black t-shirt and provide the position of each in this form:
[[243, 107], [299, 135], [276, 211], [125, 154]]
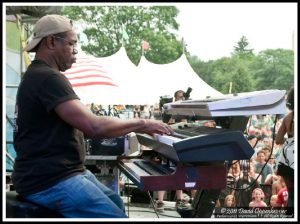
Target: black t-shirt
[[48, 149]]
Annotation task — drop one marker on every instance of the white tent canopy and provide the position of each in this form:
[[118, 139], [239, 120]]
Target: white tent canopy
[[166, 79], [116, 80], [124, 72]]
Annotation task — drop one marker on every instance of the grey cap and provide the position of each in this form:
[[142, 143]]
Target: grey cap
[[47, 25]]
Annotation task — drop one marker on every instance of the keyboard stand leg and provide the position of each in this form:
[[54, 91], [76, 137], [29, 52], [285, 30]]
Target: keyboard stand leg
[[204, 203], [153, 204]]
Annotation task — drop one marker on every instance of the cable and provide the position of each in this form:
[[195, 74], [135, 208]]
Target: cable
[[253, 182]]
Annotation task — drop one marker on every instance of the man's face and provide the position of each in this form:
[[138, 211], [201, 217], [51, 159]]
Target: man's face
[[66, 51], [261, 157], [267, 141], [179, 96]]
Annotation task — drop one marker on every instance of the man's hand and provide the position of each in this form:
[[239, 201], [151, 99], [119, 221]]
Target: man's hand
[[156, 127]]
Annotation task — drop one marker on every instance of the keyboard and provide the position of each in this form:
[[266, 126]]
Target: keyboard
[[190, 130], [152, 168]]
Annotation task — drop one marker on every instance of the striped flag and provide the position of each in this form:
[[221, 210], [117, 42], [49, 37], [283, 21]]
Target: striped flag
[[91, 81], [88, 72]]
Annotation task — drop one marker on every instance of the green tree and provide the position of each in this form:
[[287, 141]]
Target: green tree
[[242, 48], [220, 73], [274, 69], [232, 70], [241, 77], [203, 69], [108, 27], [270, 69]]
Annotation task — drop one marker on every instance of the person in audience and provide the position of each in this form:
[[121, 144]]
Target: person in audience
[[243, 189], [257, 199], [278, 184], [272, 162], [282, 197], [253, 174], [235, 169], [261, 167], [273, 201], [137, 111], [229, 201], [267, 150]]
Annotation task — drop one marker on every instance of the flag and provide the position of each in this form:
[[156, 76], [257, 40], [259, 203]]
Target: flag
[[88, 72], [145, 45], [92, 82]]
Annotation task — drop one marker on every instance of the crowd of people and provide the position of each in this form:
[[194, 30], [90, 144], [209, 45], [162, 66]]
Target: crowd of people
[[264, 180], [251, 183]]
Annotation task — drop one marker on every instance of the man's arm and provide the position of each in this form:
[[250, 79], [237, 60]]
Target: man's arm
[[282, 131], [77, 115]]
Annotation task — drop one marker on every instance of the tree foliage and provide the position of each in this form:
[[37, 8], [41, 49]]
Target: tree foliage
[[274, 69], [270, 69], [110, 27], [242, 49]]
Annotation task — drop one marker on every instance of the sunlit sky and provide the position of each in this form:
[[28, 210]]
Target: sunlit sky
[[210, 30]]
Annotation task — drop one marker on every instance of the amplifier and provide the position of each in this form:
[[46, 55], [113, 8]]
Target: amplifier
[[108, 147]]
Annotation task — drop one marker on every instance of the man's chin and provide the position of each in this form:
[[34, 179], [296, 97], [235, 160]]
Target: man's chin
[[65, 68]]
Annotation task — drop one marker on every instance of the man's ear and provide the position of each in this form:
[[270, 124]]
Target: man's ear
[[50, 42]]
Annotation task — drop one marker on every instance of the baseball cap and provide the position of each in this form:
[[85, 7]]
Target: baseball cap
[[45, 26]]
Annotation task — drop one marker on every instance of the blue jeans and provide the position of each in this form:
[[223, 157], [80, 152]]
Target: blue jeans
[[81, 196]]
